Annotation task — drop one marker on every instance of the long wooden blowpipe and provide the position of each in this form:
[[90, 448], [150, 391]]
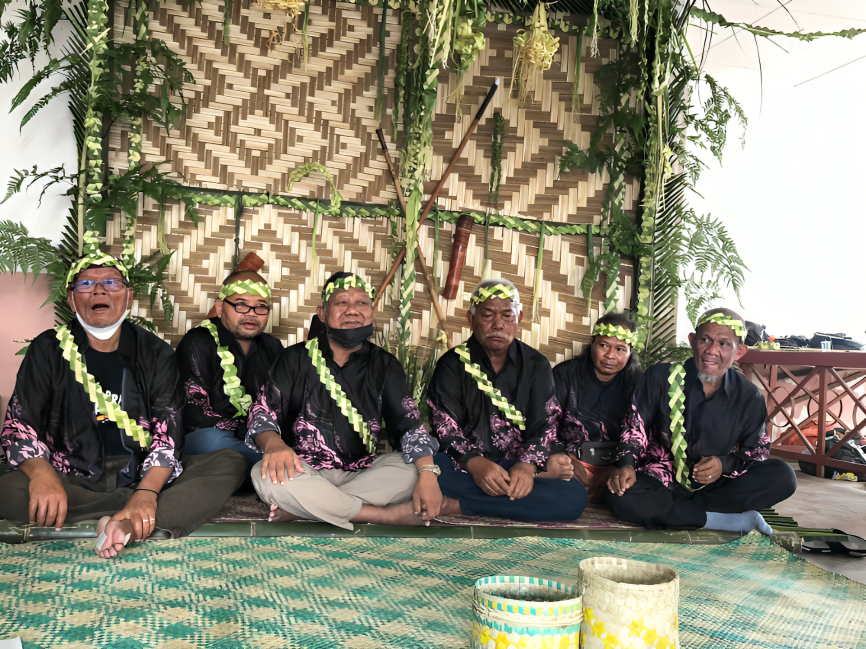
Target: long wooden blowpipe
[[420, 262], [441, 184]]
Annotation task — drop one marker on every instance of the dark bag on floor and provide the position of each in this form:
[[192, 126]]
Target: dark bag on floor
[[838, 341], [847, 452], [755, 333]]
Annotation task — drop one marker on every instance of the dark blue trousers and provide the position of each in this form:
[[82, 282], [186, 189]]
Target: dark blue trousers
[[549, 500]]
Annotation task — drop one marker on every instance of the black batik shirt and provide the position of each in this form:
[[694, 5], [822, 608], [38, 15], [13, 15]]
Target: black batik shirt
[[51, 417], [295, 403], [469, 425], [203, 378], [730, 424], [592, 411]]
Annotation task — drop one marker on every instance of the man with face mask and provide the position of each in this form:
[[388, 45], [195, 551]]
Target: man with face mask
[[93, 426], [223, 364], [318, 421], [694, 451], [495, 414]]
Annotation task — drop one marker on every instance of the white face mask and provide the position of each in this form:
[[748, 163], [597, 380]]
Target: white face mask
[[101, 333]]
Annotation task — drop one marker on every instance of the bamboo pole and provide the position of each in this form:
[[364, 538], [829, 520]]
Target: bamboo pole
[[420, 263], [441, 184]]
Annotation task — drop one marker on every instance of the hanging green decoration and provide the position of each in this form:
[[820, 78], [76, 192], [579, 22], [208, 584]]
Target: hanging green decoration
[[227, 21], [381, 65], [533, 53], [500, 126], [575, 86], [469, 23], [539, 274], [593, 46], [305, 44]]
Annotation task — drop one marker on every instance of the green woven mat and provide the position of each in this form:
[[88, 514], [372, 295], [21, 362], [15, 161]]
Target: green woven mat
[[381, 592]]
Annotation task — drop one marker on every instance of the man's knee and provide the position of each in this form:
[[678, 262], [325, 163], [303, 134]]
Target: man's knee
[[15, 503], [566, 499], [781, 477]]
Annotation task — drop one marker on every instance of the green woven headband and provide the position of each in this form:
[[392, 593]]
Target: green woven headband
[[726, 321], [246, 286], [615, 331], [93, 256], [352, 281], [484, 293]]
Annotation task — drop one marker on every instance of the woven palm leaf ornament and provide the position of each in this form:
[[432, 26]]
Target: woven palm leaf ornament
[[677, 403], [93, 256], [484, 384], [533, 53], [469, 23], [485, 293], [616, 331], [231, 382], [94, 391], [301, 172], [245, 286], [352, 281], [726, 321], [293, 9], [340, 398]]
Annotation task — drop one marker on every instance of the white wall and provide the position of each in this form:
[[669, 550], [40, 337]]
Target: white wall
[[790, 198], [46, 141]]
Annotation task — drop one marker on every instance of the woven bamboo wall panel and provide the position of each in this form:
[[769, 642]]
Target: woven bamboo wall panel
[[283, 238], [256, 113]]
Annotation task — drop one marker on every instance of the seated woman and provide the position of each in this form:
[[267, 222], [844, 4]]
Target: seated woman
[[595, 391]]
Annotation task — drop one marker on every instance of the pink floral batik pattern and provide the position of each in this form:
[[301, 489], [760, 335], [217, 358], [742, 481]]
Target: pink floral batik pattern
[[20, 440], [450, 435], [197, 395], [650, 456], [162, 449]]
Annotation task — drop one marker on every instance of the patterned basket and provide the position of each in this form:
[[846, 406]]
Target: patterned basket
[[524, 612], [628, 604]]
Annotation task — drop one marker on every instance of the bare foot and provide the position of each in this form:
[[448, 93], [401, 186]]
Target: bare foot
[[112, 536], [401, 514], [277, 515], [450, 507]]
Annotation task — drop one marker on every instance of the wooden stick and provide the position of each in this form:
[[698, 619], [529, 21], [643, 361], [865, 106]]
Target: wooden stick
[[441, 184], [420, 263]]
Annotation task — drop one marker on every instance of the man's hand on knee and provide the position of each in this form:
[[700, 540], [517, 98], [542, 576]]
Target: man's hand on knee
[[492, 478], [621, 479], [279, 459], [559, 467], [48, 500], [522, 480]]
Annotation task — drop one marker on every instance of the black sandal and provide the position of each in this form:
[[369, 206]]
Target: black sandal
[[854, 546]]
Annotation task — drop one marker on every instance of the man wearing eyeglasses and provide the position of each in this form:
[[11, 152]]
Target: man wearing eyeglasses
[[93, 427], [223, 364]]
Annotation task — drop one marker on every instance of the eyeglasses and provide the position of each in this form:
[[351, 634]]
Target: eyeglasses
[[110, 285], [261, 309]]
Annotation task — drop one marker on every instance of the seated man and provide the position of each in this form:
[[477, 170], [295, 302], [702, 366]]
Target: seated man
[[694, 449], [495, 413], [223, 364], [595, 391], [94, 429], [318, 421]]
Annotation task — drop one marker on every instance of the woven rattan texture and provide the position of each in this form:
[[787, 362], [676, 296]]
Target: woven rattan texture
[[283, 239], [389, 593], [256, 113]]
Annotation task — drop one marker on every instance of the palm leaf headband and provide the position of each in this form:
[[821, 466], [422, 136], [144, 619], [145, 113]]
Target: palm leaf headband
[[352, 281], [615, 331], [484, 293], [93, 256], [245, 286], [726, 321]]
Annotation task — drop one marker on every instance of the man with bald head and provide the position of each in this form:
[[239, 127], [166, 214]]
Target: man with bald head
[[224, 362], [694, 451], [495, 414]]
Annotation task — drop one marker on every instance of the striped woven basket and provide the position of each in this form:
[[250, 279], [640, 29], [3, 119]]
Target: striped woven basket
[[628, 604], [524, 612]]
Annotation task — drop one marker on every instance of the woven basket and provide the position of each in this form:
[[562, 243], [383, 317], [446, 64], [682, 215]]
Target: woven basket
[[524, 612], [628, 604]]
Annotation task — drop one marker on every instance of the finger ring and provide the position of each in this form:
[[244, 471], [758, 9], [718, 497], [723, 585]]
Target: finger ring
[[709, 477], [151, 520]]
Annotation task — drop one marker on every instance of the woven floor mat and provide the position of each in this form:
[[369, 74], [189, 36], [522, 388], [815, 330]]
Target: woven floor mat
[[594, 517], [403, 593]]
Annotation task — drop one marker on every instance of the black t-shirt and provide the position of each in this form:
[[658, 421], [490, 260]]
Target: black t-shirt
[[107, 369]]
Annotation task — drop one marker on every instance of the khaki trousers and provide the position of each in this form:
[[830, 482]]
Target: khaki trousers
[[335, 496]]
